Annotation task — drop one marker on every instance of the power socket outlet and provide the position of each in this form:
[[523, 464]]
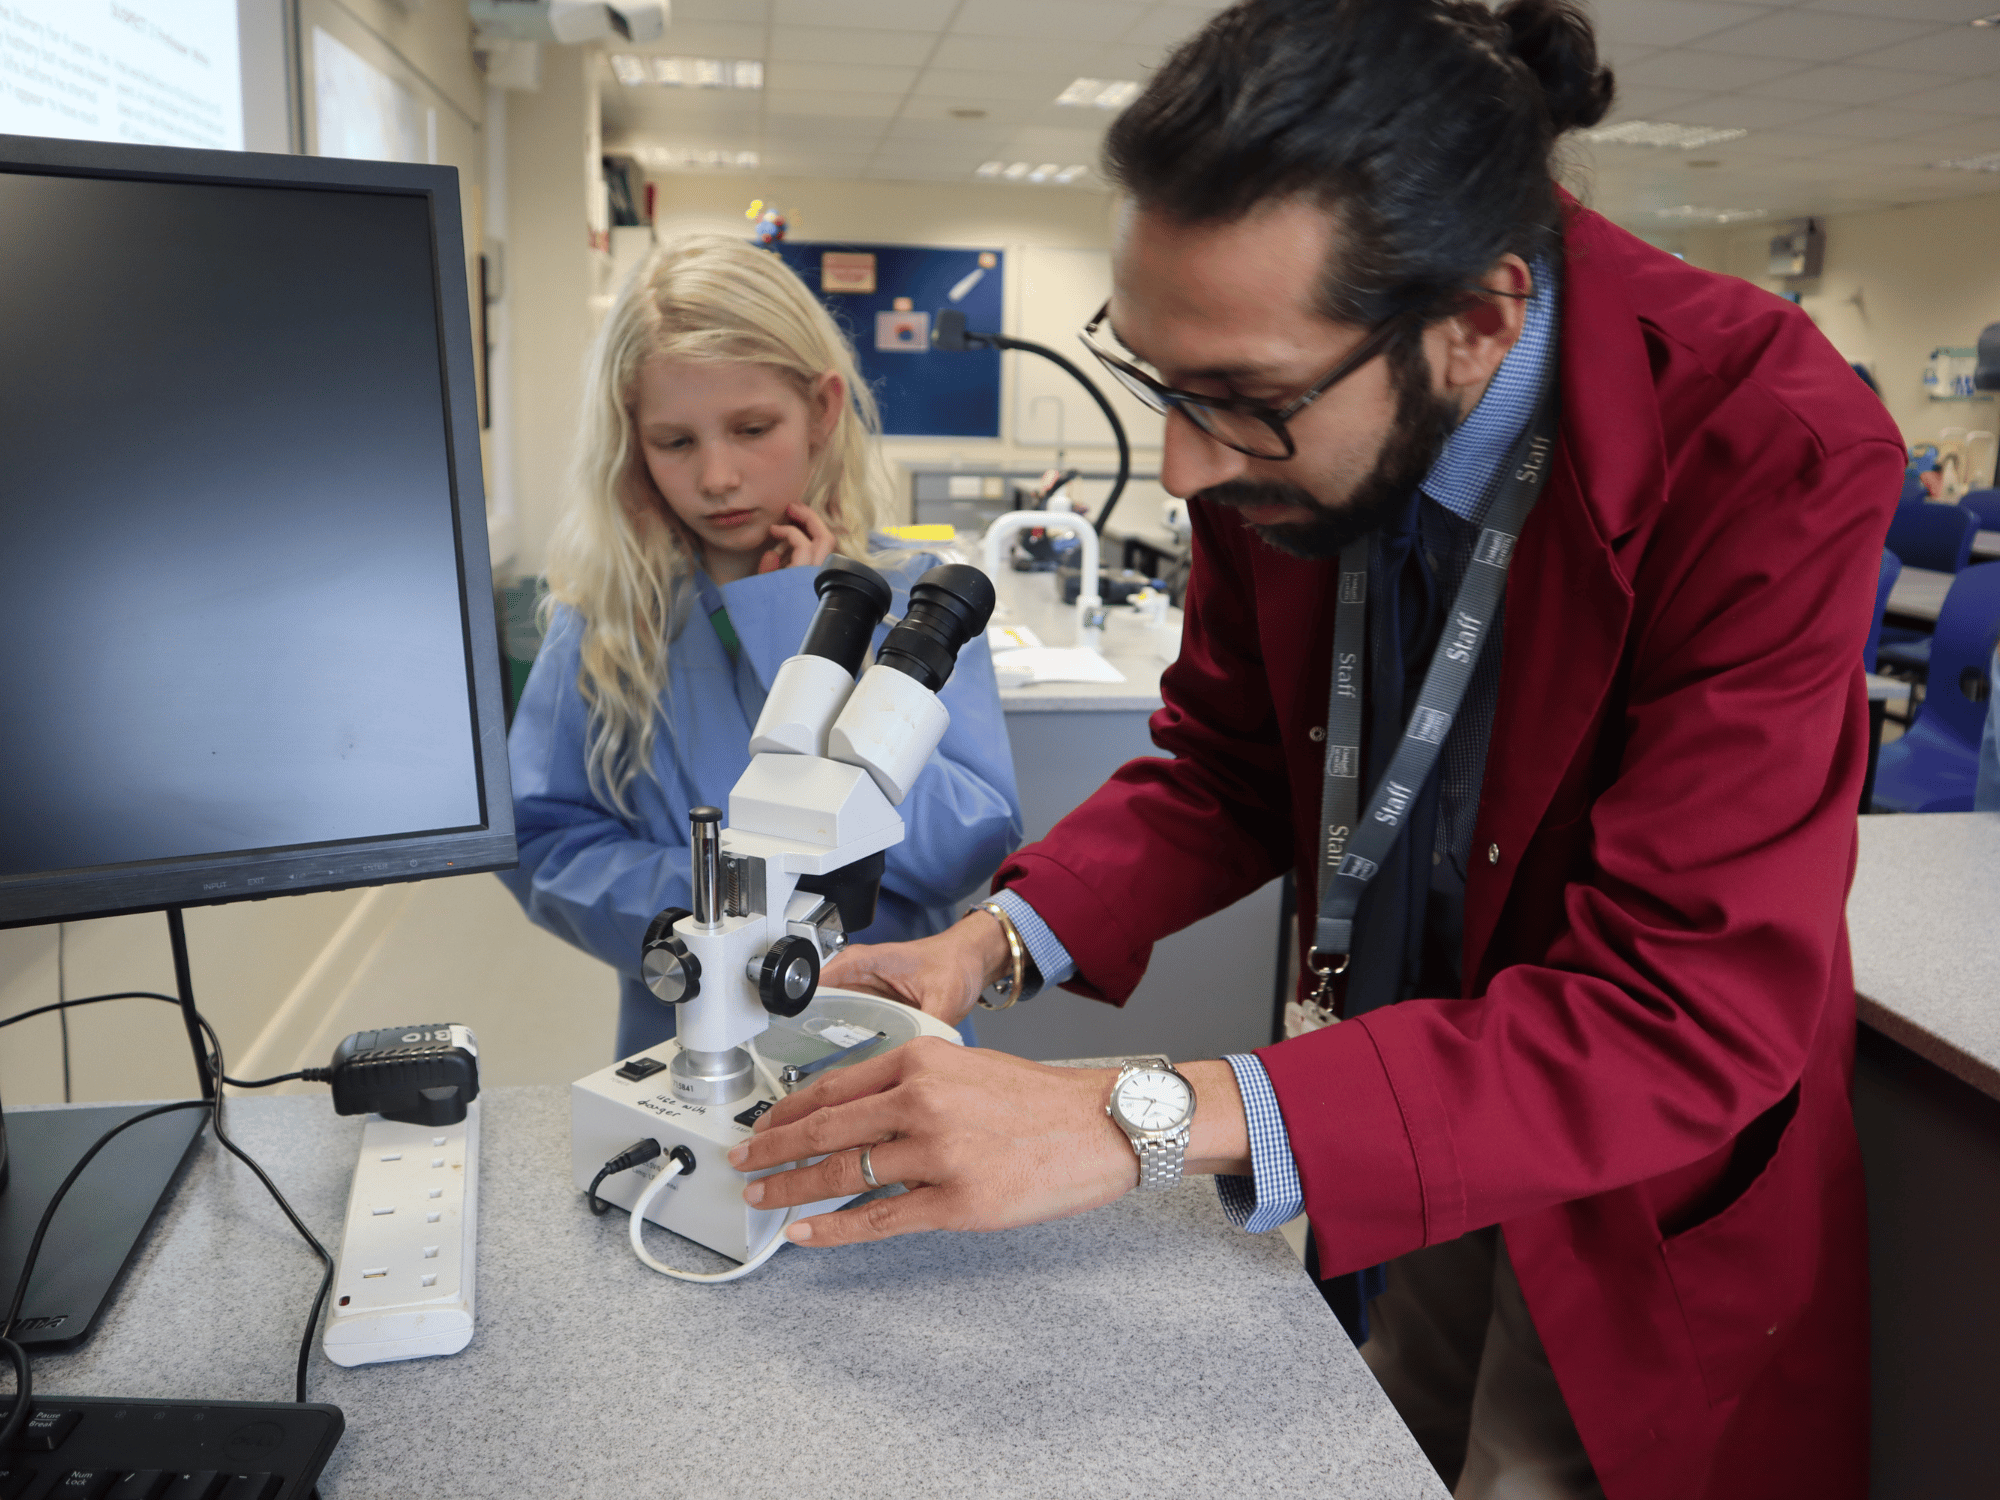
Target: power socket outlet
[[403, 1286]]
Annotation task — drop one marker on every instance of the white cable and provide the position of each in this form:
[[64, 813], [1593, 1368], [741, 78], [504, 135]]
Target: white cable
[[634, 1230], [764, 1073]]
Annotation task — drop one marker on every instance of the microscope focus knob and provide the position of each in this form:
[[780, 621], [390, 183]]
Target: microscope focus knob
[[788, 975], [670, 971]]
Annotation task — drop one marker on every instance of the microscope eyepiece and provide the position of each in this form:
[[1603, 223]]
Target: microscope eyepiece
[[853, 597], [948, 606]]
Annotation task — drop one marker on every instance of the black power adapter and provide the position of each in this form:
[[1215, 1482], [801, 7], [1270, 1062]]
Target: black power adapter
[[419, 1075]]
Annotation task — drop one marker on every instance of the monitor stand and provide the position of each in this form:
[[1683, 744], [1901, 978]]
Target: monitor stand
[[102, 1218]]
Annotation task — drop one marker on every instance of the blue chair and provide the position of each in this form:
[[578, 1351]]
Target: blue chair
[[1913, 491], [1938, 537], [1984, 504], [1934, 767], [1892, 568]]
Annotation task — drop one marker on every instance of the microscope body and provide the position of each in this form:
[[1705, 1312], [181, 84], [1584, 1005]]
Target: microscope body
[[776, 892]]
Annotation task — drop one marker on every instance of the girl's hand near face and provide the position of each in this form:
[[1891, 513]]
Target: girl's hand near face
[[805, 545]]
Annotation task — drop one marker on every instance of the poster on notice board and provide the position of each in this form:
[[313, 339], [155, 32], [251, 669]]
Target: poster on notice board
[[922, 393]]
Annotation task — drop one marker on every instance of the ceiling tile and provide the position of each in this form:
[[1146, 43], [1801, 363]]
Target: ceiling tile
[[980, 137], [1975, 96], [1044, 144], [1653, 103], [707, 39], [998, 111], [1968, 138], [882, 15], [834, 44], [846, 78], [824, 102], [1811, 38], [1945, 11], [1169, 25], [1959, 50], [1876, 122], [1006, 54], [1709, 71], [837, 130], [1844, 84], [1762, 145], [682, 109], [1902, 153], [1668, 23], [1063, 23], [749, 12], [947, 83], [1748, 113]]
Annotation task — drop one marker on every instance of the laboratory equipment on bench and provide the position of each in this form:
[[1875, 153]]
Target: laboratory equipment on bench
[[1089, 606], [776, 892]]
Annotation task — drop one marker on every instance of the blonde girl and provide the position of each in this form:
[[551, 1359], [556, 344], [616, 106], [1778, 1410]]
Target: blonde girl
[[727, 448]]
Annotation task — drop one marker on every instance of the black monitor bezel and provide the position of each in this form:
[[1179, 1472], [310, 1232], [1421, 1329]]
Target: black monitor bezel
[[208, 880]]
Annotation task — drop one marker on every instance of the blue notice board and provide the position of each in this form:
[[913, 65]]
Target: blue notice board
[[922, 393]]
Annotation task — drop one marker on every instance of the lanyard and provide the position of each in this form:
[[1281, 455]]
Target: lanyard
[[1352, 849]]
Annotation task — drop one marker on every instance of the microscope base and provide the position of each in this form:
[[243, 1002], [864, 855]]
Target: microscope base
[[609, 1111]]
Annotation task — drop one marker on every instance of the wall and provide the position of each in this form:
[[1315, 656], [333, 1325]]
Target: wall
[[551, 276], [247, 960], [1896, 285]]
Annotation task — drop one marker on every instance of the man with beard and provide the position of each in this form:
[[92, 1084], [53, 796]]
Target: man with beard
[[1565, 1091]]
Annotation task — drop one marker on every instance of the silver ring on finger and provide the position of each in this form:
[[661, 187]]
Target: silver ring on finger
[[868, 1167]]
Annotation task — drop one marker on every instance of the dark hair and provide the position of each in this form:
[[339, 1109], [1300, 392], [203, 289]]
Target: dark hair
[[1425, 126]]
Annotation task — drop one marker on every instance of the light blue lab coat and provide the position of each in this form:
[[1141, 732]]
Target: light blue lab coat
[[596, 878]]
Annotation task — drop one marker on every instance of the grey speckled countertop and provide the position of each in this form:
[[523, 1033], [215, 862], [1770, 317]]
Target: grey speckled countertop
[[1924, 920], [1144, 1349]]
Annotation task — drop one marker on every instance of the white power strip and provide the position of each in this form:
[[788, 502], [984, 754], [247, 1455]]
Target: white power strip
[[403, 1286]]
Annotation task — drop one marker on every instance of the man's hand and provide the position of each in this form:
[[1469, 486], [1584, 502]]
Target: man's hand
[[984, 1141], [808, 544], [940, 976]]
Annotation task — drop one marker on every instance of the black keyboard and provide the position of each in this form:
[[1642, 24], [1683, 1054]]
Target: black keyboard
[[103, 1448]]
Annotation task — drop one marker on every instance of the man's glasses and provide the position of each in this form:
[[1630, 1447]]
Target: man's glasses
[[1252, 427]]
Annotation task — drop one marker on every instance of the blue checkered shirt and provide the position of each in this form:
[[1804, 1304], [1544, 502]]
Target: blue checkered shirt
[[1461, 482]]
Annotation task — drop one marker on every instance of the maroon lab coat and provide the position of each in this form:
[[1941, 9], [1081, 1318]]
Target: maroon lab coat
[[1645, 1082]]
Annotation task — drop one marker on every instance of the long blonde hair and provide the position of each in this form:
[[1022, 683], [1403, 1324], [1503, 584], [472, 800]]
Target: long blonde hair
[[617, 557]]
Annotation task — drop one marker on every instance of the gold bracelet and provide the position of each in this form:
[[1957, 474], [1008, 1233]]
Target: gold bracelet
[[1016, 952]]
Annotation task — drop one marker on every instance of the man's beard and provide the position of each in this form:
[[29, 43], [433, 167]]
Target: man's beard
[[1422, 423]]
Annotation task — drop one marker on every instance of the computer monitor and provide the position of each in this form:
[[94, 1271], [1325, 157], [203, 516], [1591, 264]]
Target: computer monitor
[[249, 645]]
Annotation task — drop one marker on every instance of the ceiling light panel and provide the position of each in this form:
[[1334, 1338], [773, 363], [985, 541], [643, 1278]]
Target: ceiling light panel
[[1987, 163], [1037, 173], [1694, 213], [687, 72], [1101, 93], [1660, 133], [694, 159]]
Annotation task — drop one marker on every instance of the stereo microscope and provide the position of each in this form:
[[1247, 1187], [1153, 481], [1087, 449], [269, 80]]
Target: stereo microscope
[[776, 892]]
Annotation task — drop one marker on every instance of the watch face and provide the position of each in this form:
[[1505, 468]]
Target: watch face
[[1152, 1100]]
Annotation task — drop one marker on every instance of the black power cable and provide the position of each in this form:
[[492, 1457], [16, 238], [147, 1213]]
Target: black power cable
[[949, 334], [210, 1067]]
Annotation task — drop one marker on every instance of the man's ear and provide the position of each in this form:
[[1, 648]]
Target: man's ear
[[1477, 337], [829, 395]]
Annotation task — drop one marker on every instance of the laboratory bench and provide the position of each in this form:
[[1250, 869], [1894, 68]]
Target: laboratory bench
[[1146, 1348], [1924, 924]]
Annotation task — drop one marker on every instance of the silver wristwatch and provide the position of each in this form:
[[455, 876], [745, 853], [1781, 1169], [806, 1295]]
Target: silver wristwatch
[[1154, 1106]]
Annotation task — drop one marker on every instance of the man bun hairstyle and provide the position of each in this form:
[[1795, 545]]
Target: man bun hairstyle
[[1427, 127], [1555, 41]]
